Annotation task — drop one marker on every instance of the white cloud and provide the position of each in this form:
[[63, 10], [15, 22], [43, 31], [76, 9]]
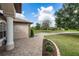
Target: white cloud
[[33, 25], [44, 13], [22, 12], [18, 15], [34, 15]]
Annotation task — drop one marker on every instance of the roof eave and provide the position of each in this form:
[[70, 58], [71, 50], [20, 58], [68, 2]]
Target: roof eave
[[23, 22]]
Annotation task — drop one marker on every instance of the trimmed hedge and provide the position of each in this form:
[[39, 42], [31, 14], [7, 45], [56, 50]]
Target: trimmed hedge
[[32, 33]]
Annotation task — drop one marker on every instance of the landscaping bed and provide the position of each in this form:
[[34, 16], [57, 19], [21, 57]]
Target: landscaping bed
[[49, 48]]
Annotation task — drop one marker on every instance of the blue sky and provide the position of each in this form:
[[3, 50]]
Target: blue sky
[[32, 8]]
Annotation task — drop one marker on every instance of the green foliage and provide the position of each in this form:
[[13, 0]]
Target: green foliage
[[37, 26], [32, 33], [49, 48], [46, 24], [67, 17]]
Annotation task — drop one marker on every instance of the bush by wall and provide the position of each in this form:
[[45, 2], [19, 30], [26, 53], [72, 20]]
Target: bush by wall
[[32, 33]]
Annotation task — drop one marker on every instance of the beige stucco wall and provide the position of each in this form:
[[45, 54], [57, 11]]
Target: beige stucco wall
[[21, 30], [8, 8]]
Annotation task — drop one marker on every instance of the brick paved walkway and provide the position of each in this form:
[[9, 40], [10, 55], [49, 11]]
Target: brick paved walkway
[[26, 47]]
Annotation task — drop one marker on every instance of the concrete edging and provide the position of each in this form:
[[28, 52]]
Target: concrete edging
[[57, 49]]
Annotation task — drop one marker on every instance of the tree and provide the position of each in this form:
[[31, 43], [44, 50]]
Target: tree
[[67, 17], [46, 24], [37, 26]]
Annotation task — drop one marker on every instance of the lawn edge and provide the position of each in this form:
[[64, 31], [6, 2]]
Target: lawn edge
[[57, 49]]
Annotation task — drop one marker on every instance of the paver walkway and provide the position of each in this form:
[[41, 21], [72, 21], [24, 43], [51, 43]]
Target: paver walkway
[[26, 47]]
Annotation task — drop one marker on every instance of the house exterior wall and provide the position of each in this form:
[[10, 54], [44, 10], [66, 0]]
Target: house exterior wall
[[8, 9], [21, 30], [14, 30]]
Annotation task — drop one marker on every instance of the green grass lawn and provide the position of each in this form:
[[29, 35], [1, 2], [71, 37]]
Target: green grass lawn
[[47, 31], [71, 30], [38, 31], [67, 43]]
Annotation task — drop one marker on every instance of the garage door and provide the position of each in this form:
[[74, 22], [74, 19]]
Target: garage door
[[21, 31]]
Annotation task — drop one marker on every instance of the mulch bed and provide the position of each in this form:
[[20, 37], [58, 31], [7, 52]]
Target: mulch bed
[[47, 53]]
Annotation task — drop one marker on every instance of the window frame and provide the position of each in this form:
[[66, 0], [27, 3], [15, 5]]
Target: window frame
[[3, 28]]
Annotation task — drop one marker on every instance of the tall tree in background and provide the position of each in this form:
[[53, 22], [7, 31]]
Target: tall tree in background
[[46, 24], [38, 26], [68, 16]]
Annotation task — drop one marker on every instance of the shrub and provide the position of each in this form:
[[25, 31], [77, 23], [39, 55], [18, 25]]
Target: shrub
[[49, 48], [32, 33]]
